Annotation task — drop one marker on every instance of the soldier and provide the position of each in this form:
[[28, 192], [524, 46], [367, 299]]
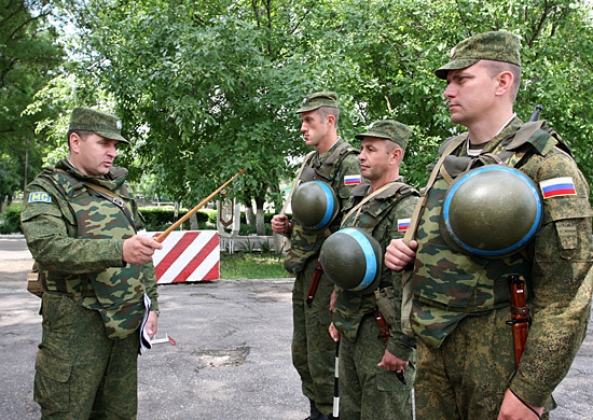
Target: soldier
[[333, 165], [80, 223], [373, 349], [469, 363]]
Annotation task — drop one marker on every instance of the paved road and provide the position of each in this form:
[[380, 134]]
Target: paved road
[[231, 361]]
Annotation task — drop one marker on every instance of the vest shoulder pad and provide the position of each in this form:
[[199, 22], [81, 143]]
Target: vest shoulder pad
[[540, 136], [63, 181], [447, 143], [400, 189]]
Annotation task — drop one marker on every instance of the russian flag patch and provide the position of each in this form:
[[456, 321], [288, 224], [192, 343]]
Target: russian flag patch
[[557, 187], [352, 179], [39, 197], [403, 224]]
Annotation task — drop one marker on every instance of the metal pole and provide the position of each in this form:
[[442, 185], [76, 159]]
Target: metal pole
[[336, 410]]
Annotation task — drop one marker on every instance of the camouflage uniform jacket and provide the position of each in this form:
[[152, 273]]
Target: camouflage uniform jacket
[[76, 237], [385, 217], [332, 168], [556, 264]]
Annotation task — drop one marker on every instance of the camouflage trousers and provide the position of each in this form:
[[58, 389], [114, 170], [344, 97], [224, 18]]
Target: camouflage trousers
[[368, 392], [80, 373], [467, 377], [313, 350]]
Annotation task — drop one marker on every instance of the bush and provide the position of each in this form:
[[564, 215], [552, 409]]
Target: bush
[[160, 218], [12, 219], [267, 217]]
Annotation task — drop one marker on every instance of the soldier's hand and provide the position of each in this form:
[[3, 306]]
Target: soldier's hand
[[398, 255], [514, 409], [334, 333], [139, 249], [392, 363], [281, 224], [152, 324]]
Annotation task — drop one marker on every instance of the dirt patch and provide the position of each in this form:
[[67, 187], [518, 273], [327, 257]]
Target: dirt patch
[[226, 357]]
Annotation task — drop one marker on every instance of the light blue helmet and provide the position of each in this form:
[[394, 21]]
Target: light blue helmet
[[314, 205], [352, 259], [491, 211]]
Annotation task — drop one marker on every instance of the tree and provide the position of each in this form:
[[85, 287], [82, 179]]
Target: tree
[[206, 88], [397, 44], [209, 88], [28, 56]]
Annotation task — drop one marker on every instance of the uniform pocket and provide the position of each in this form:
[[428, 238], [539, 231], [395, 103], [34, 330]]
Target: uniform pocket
[[52, 387], [388, 382]]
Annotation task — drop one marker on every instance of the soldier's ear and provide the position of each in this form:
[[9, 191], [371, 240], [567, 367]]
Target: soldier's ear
[[397, 155], [74, 142], [505, 82]]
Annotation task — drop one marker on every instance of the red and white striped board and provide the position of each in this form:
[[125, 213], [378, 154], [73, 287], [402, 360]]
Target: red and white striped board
[[188, 256]]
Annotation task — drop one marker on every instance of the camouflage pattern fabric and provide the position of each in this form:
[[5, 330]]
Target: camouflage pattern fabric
[[465, 377], [80, 373], [105, 125], [367, 391], [331, 167], [77, 240], [313, 350], [493, 45], [448, 286], [115, 291], [379, 217]]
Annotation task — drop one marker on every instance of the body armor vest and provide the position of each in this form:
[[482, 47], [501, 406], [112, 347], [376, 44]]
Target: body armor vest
[[351, 306], [306, 243], [116, 291], [455, 281]]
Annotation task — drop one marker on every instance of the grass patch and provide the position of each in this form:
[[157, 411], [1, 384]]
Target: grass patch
[[248, 265]]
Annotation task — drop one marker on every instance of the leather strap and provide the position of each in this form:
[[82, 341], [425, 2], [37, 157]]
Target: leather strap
[[369, 197], [114, 198], [415, 220]]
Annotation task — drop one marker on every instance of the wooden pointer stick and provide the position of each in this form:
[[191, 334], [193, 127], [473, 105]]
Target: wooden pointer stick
[[186, 216]]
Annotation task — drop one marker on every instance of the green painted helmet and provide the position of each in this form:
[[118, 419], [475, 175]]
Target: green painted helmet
[[352, 259], [491, 211], [314, 205]]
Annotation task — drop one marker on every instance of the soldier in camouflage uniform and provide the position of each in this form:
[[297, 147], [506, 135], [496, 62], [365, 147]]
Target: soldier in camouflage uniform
[[369, 387], [466, 362], [80, 223], [334, 162]]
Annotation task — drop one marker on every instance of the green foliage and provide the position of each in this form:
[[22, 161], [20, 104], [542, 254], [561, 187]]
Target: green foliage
[[248, 265], [207, 88], [265, 247], [160, 218], [12, 219], [9, 176], [29, 57], [246, 230]]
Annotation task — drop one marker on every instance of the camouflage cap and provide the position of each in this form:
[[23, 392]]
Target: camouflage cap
[[389, 130], [318, 100], [105, 125], [494, 45]]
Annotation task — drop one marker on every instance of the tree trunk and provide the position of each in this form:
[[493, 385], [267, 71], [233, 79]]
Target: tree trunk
[[193, 222], [259, 220], [249, 216]]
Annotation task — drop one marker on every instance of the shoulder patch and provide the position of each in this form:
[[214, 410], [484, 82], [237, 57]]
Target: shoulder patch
[[39, 197], [352, 179], [403, 224], [556, 187]]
